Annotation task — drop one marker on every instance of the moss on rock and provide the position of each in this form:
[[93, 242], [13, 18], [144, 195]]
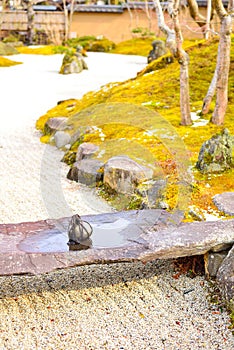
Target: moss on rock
[[7, 49]]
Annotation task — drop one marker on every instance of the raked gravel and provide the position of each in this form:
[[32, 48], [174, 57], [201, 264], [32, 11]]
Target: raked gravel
[[119, 306]]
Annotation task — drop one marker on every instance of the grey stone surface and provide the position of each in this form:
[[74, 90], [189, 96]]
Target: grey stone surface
[[213, 262], [86, 150], [87, 171], [123, 174], [152, 193], [146, 235], [225, 202], [61, 139], [216, 154], [54, 124], [75, 136], [225, 278]]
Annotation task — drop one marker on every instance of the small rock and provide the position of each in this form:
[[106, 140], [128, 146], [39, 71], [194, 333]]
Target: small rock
[[213, 262], [86, 150], [123, 174], [55, 124], [87, 171], [61, 138]]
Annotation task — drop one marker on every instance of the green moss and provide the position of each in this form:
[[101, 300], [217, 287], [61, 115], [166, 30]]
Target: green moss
[[69, 157], [11, 39], [7, 49], [136, 46], [63, 109], [103, 45], [82, 40], [119, 201], [43, 50], [232, 322]]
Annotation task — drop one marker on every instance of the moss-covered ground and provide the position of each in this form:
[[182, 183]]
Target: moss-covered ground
[[157, 88], [5, 62]]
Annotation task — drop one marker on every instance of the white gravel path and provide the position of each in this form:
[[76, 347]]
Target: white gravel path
[[27, 91], [111, 307]]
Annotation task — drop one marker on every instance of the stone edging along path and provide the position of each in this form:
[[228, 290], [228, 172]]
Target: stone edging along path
[[146, 235]]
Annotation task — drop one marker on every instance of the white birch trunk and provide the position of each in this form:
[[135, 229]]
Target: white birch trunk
[[66, 20], [208, 16], [210, 93], [183, 60], [223, 63]]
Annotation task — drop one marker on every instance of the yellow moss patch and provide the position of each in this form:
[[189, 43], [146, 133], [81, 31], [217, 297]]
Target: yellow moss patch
[[43, 50], [5, 62], [159, 92], [137, 46], [45, 139]]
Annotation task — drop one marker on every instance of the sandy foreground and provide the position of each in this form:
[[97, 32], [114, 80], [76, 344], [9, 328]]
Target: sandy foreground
[[119, 306]]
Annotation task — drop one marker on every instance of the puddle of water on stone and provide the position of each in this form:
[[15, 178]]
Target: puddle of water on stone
[[105, 235]]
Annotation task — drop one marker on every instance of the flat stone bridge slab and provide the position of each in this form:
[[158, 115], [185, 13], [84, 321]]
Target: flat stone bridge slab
[[145, 235]]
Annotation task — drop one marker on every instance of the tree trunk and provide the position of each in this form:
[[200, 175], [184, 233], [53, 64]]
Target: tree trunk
[[66, 20], [183, 60], [223, 64], [210, 93], [174, 43], [30, 26], [208, 17], [70, 17]]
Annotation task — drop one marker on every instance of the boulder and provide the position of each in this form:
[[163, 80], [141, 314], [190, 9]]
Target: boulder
[[225, 202], [61, 139], [216, 154], [159, 49], [55, 124], [123, 174], [225, 278], [87, 171], [86, 150], [72, 63]]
